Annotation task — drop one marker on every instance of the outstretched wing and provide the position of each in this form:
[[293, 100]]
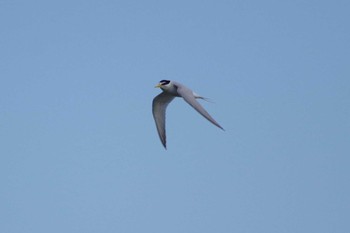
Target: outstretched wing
[[159, 105], [187, 95]]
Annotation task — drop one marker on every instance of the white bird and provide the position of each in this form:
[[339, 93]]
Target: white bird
[[171, 90]]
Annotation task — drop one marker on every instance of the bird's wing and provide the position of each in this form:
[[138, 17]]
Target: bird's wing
[[188, 96], [159, 105]]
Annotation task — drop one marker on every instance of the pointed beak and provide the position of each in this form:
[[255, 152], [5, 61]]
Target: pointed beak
[[158, 85]]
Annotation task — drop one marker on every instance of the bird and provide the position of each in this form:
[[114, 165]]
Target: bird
[[172, 89]]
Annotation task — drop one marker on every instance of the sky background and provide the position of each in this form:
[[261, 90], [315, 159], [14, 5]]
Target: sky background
[[79, 151]]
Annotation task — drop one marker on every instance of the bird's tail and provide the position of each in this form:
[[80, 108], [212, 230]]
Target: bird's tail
[[201, 97]]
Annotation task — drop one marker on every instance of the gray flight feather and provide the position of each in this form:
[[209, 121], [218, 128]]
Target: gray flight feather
[[160, 102], [188, 96]]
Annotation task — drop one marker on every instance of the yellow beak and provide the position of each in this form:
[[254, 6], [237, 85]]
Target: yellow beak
[[158, 85]]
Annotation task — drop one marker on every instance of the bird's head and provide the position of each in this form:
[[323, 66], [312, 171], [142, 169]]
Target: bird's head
[[164, 84]]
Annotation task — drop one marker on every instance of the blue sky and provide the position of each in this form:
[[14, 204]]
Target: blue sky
[[79, 148]]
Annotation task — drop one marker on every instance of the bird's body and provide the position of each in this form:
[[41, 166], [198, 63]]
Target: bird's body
[[172, 89]]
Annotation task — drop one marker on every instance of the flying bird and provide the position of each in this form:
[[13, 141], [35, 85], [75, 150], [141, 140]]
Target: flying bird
[[172, 89]]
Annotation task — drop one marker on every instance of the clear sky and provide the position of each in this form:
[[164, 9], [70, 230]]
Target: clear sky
[[79, 151]]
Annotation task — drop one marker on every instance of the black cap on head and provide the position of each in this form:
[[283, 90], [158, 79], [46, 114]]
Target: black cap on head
[[164, 82]]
